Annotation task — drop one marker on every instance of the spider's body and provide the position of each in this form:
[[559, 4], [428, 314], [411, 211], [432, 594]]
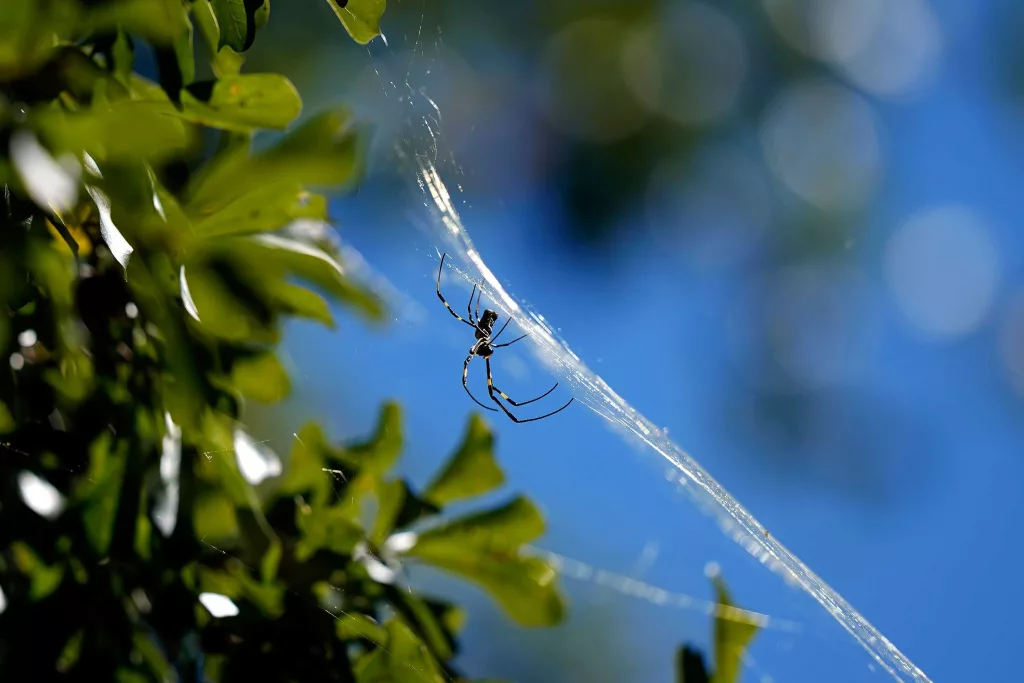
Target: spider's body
[[483, 325]]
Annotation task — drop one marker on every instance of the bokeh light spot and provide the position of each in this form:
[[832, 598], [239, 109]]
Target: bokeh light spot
[[943, 270], [821, 140]]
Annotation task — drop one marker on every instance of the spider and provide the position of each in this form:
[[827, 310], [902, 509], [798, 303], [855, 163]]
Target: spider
[[484, 347]]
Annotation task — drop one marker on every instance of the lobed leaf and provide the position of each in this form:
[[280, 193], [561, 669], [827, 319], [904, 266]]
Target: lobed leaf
[[471, 471]]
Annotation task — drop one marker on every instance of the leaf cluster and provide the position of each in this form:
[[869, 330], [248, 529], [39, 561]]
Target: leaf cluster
[[150, 253]]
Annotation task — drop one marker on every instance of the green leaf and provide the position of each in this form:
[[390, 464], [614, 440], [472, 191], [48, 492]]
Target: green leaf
[[305, 465], [324, 151], [405, 659], [500, 529], [205, 19], [734, 629], [472, 471], [271, 561], [484, 548], [354, 625], [261, 377], [146, 648], [71, 652], [433, 620], [158, 21], [299, 301], [383, 449], [243, 102], [43, 578], [361, 18], [390, 499], [28, 29], [7, 423], [185, 55], [228, 306], [261, 15], [100, 492], [123, 131], [214, 518], [330, 528], [235, 18], [263, 209]]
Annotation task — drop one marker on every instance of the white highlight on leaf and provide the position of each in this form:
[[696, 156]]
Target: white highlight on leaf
[[40, 495], [256, 462], [17, 361], [186, 296], [90, 165], [165, 509], [402, 542], [218, 605], [113, 238], [278, 242], [3, 601], [131, 310], [377, 570], [27, 338], [49, 182]]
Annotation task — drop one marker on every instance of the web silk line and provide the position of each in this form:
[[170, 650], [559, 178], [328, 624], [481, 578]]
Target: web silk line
[[593, 392]]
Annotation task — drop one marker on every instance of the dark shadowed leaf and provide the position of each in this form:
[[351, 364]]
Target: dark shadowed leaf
[[690, 666], [100, 492], [472, 471], [361, 18]]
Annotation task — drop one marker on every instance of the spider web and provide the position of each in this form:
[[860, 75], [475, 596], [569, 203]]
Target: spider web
[[411, 141]]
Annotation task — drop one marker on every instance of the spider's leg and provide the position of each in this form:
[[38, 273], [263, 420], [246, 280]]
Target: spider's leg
[[498, 346], [491, 389], [478, 298], [502, 329], [469, 307], [441, 297], [465, 371]]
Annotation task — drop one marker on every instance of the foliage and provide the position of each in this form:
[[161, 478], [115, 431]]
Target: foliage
[[733, 631], [150, 252]]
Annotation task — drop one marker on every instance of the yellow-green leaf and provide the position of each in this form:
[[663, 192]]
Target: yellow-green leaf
[[472, 471], [485, 548], [734, 629], [261, 377], [361, 18], [405, 659], [354, 625], [243, 102]]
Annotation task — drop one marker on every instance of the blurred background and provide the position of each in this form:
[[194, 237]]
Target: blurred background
[[785, 230]]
